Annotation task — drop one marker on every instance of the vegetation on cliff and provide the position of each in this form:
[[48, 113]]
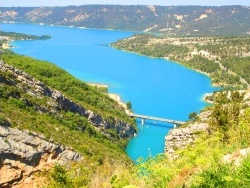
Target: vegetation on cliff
[[22, 108], [91, 98]]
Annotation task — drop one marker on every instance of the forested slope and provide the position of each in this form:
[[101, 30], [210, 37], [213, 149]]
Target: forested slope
[[64, 110], [225, 59]]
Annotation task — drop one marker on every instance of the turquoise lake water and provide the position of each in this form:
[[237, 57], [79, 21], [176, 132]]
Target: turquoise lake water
[[156, 87]]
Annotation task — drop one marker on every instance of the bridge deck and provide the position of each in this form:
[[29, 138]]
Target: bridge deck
[[157, 119]]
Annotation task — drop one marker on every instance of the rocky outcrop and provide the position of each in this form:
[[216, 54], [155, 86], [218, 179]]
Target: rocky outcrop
[[22, 153], [181, 137], [236, 157], [61, 102]]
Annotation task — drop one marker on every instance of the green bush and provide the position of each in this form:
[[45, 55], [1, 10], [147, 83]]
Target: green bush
[[225, 176], [60, 177]]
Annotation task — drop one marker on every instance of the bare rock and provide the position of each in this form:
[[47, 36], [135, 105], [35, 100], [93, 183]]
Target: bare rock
[[236, 157], [22, 153], [181, 137]]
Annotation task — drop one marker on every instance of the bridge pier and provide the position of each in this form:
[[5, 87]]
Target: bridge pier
[[176, 125], [142, 121]]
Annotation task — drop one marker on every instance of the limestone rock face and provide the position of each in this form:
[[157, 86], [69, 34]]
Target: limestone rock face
[[23, 153], [181, 137]]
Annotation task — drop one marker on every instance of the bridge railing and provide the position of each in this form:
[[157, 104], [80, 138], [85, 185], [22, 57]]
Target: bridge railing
[[143, 117]]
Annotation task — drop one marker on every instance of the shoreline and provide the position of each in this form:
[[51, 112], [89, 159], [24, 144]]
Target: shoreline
[[172, 61], [179, 63], [98, 85], [114, 96]]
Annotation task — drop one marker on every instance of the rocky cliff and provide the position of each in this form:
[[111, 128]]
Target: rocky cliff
[[181, 137], [60, 102], [23, 153]]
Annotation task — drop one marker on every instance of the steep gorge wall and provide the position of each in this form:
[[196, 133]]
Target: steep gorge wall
[[61, 102], [23, 153]]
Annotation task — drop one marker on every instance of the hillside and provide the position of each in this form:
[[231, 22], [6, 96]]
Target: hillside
[[45, 101], [224, 59], [171, 20]]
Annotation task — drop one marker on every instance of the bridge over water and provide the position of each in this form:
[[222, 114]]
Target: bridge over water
[[143, 118]]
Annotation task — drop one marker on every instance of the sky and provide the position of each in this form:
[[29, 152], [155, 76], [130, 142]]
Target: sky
[[7, 3]]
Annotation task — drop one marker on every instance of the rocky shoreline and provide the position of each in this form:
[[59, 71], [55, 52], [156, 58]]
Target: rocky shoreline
[[180, 138]]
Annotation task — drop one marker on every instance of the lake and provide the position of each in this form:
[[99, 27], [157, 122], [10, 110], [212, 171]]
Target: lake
[[154, 86]]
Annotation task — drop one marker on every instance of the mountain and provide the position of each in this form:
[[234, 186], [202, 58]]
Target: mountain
[[167, 20]]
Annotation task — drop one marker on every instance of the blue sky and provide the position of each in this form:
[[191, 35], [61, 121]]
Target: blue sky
[[4, 3]]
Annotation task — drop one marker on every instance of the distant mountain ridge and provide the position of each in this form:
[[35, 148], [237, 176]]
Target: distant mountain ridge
[[168, 20]]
